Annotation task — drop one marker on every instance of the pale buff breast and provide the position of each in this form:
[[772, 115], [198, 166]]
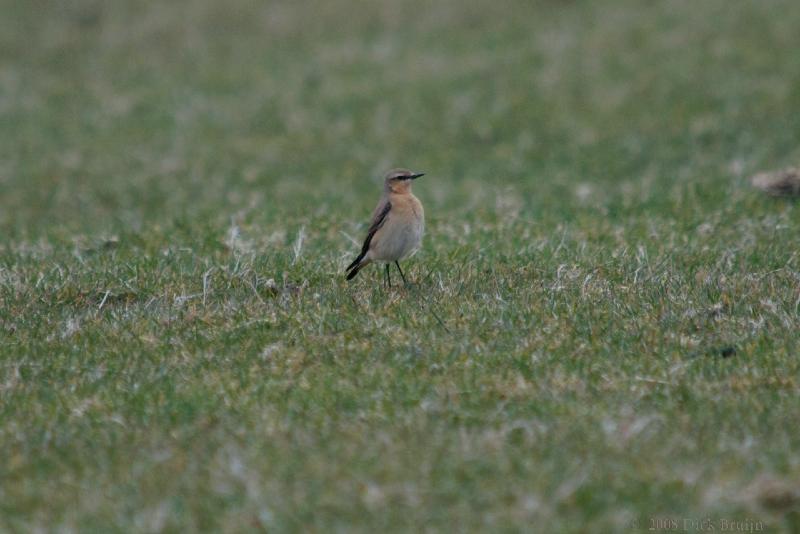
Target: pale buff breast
[[401, 234]]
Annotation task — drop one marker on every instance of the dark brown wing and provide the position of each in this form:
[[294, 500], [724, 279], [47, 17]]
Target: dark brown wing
[[377, 221]]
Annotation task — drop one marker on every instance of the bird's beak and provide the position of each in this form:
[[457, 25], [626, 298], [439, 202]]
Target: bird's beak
[[415, 176]]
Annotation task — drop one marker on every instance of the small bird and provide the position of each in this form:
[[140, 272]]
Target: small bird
[[398, 223]]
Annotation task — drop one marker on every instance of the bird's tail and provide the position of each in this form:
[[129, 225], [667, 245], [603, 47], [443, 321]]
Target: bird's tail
[[357, 265]]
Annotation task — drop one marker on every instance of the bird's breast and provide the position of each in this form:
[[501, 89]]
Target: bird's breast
[[402, 233]]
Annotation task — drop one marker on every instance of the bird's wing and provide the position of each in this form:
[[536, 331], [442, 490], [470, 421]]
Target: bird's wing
[[378, 218]]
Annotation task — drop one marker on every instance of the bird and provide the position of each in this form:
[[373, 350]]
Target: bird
[[398, 223]]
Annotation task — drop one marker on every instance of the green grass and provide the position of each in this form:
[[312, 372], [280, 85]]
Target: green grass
[[602, 328]]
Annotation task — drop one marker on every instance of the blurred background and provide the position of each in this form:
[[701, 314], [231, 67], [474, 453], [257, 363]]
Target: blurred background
[[118, 115]]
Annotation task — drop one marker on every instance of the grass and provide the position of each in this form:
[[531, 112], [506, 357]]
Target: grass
[[602, 329]]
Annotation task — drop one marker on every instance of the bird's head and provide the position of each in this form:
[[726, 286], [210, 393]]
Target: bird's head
[[399, 180]]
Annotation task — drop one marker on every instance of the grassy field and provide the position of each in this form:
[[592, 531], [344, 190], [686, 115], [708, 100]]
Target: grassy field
[[602, 330]]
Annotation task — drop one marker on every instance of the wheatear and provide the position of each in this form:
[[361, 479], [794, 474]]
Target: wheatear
[[397, 225]]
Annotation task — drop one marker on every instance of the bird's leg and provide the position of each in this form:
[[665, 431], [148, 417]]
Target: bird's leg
[[388, 277], [401, 273]]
